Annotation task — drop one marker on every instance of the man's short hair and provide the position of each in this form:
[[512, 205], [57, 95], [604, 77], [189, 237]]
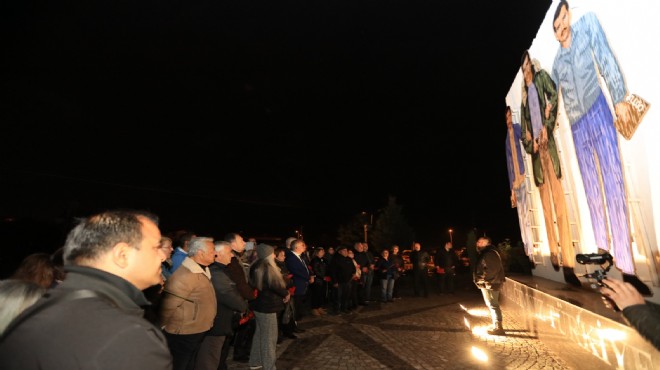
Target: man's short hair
[[197, 244], [230, 237], [289, 241], [296, 243], [181, 239], [221, 245], [99, 233]]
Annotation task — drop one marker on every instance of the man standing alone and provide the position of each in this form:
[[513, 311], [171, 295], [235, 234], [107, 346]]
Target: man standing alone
[[489, 277]]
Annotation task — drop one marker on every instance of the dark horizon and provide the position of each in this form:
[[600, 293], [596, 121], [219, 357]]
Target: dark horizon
[[262, 117]]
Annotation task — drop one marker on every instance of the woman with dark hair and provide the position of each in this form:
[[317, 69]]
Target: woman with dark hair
[[38, 268], [318, 287]]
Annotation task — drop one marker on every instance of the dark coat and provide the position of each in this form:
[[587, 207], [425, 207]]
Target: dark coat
[[645, 318], [90, 333], [300, 272], [269, 298], [445, 259], [397, 261], [420, 260], [229, 300], [385, 268], [489, 272], [237, 274], [288, 278], [341, 269], [320, 270]]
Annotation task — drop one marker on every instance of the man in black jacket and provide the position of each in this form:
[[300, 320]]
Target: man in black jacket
[[241, 339], [341, 271], [445, 261], [489, 277], [229, 303], [94, 318], [420, 260]]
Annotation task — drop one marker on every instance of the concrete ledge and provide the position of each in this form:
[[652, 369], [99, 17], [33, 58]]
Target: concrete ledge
[[575, 323]]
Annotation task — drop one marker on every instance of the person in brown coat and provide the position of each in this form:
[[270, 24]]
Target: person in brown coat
[[188, 306]]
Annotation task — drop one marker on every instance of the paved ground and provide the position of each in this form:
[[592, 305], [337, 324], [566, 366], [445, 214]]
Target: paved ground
[[414, 333]]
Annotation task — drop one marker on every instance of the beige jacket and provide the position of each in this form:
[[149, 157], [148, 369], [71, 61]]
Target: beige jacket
[[188, 305]]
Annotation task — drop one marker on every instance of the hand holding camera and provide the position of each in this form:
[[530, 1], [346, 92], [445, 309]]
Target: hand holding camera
[[621, 293]]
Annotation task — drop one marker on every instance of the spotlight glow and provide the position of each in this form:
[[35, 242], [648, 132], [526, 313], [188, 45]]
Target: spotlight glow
[[480, 330], [479, 354], [467, 323], [479, 312], [611, 334]]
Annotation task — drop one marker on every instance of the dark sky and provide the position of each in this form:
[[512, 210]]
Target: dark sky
[[261, 116]]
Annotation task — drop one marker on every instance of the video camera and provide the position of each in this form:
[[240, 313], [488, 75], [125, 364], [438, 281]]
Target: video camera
[[598, 275], [596, 259]]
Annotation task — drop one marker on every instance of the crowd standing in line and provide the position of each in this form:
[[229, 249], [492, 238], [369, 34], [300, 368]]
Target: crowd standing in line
[[114, 270], [211, 295]]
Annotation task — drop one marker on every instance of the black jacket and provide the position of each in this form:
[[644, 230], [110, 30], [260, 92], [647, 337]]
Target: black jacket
[[269, 298], [488, 271], [107, 332], [445, 259], [237, 275], [320, 270], [341, 270], [229, 300], [419, 260], [645, 318]]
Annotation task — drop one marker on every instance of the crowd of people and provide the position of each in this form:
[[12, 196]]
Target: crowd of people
[[119, 294], [181, 300]]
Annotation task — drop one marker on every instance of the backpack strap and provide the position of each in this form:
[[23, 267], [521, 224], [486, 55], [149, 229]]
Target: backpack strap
[[49, 301]]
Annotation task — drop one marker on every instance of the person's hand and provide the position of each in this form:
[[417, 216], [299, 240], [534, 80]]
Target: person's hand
[[543, 138], [287, 298], [623, 294], [311, 279], [622, 111], [548, 109], [528, 136], [536, 145]]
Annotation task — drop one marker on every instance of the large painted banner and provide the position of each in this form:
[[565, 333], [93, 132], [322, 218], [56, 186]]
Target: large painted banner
[[583, 140]]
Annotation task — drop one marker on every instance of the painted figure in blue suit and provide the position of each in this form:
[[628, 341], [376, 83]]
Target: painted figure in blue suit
[[584, 55]]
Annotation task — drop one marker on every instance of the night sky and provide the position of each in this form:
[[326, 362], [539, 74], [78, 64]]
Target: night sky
[[259, 116]]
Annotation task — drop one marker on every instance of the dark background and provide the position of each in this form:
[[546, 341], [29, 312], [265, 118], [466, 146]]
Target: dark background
[[262, 117]]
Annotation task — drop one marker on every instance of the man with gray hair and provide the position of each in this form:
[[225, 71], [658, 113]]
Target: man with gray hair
[[94, 318], [189, 306], [230, 303]]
